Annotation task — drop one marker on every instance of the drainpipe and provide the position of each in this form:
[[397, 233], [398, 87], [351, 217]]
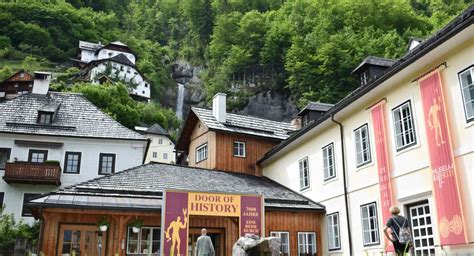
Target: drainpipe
[[349, 236]]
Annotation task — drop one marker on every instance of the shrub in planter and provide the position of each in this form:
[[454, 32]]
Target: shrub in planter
[[52, 162]]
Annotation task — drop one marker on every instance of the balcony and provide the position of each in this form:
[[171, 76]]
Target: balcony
[[32, 173]]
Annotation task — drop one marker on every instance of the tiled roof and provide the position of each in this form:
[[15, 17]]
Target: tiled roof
[[374, 60], [245, 124], [142, 188], [75, 117], [317, 106]]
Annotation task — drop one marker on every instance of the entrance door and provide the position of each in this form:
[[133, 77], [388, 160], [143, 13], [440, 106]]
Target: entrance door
[[81, 240], [216, 235], [422, 228]]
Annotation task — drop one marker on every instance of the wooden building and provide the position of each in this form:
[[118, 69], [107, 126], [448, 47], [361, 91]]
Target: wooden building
[[19, 83], [70, 216], [215, 139]]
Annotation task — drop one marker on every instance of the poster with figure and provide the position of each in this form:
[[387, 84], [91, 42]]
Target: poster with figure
[[445, 184], [180, 205]]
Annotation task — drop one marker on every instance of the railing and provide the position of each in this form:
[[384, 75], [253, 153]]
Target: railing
[[32, 173]]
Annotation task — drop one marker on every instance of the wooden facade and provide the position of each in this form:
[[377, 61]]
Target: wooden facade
[[114, 240], [220, 153], [20, 82]]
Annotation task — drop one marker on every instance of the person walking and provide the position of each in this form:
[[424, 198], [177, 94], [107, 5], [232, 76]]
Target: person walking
[[400, 229], [204, 246]]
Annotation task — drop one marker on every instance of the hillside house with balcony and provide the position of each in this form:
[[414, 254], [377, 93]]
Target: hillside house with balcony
[[17, 84], [50, 140]]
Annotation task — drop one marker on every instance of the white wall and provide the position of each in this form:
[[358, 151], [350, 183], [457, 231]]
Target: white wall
[[165, 147], [87, 55], [107, 53], [128, 154], [410, 168], [126, 73]]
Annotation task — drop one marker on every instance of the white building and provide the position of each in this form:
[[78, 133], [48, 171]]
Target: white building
[[161, 148], [50, 140], [389, 123], [114, 61]]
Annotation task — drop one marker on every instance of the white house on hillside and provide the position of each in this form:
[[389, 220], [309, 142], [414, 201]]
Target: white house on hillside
[[161, 147], [50, 140], [111, 62]]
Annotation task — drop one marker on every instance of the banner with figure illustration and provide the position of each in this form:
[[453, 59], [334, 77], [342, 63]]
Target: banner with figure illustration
[[383, 164], [445, 184], [179, 205]]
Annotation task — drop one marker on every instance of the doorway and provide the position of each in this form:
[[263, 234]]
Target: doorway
[[81, 240], [422, 228], [217, 236]]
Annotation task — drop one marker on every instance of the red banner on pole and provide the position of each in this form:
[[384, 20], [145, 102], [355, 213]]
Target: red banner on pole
[[446, 190], [383, 165]]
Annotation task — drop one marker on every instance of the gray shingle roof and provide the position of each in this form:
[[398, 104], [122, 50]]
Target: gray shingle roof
[[317, 106], [157, 129], [142, 187], [75, 117], [245, 124], [374, 60]]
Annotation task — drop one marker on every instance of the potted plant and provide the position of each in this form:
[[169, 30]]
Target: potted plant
[[51, 162], [103, 224], [136, 225]]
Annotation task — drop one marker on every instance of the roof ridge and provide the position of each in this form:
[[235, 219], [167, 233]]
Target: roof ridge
[[244, 115]]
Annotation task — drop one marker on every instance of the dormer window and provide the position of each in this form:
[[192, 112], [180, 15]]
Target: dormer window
[[45, 117]]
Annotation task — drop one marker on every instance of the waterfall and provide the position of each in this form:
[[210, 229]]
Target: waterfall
[[180, 101]]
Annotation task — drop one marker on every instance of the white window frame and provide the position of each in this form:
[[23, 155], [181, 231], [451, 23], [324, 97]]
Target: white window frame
[[160, 141], [359, 149], [241, 150], [201, 153], [329, 170], [139, 241], [332, 228], [463, 85], [305, 243], [404, 130], [304, 173], [278, 234], [367, 219]]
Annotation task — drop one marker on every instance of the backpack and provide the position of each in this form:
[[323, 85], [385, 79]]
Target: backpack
[[403, 235]]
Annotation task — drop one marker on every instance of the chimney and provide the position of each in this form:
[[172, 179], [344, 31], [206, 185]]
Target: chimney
[[41, 82], [296, 122], [219, 107]]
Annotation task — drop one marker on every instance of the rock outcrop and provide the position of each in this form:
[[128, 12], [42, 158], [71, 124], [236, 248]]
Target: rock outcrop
[[270, 105], [252, 245]]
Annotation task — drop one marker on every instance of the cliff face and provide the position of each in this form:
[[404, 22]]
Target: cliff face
[[189, 91]]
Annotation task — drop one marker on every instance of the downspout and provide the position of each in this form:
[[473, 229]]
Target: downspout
[[146, 150], [341, 129]]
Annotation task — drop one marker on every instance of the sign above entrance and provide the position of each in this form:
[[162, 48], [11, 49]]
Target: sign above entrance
[[180, 205]]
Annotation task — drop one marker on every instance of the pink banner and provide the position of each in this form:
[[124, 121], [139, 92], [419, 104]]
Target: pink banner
[[251, 215], [176, 220], [448, 203], [383, 165]]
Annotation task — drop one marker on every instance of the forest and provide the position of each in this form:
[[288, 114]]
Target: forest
[[304, 49]]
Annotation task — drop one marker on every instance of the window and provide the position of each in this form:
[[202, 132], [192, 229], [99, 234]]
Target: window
[[155, 154], [72, 162], [37, 156], [160, 141], [334, 237], [285, 241], [45, 117], [370, 227], [306, 243], [328, 161], [364, 77], [304, 173], [106, 163], [128, 69], [4, 157], [239, 148], [201, 153], [146, 85], [165, 156], [2, 197], [467, 89], [22, 75], [362, 145], [145, 242], [404, 128], [25, 212]]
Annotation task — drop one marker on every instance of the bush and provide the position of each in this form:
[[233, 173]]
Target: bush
[[10, 230]]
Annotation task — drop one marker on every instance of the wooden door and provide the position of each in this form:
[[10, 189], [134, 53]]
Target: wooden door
[[81, 240]]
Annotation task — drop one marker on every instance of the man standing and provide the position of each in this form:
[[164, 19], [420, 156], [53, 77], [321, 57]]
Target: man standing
[[204, 246]]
